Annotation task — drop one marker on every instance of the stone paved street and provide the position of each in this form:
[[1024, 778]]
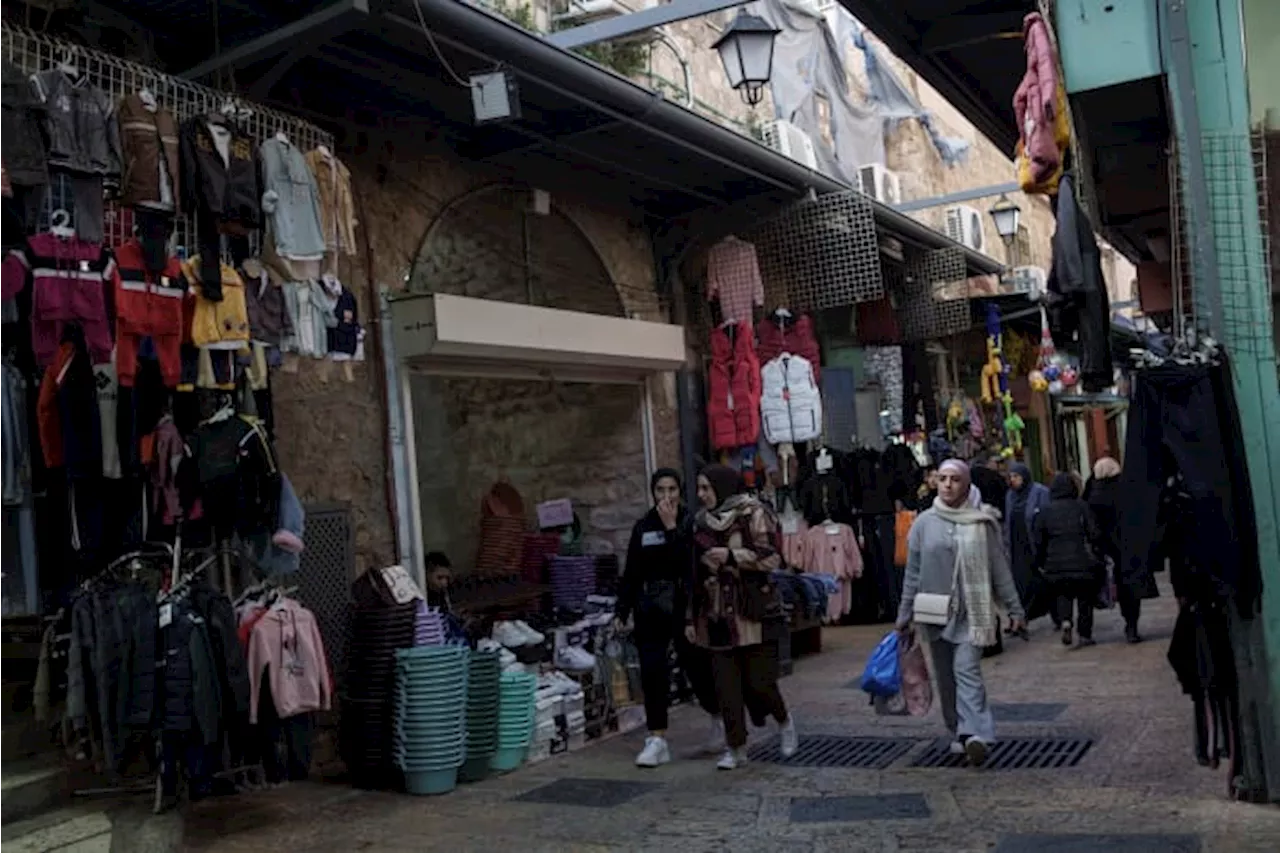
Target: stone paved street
[[1138, 783]]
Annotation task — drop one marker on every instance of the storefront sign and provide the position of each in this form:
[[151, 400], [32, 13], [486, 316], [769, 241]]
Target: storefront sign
[[557, 513]]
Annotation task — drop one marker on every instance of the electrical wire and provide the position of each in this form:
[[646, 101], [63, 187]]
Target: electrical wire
[[422, 22]]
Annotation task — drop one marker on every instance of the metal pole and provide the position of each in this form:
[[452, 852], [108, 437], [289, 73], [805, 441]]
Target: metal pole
[[637, 22]]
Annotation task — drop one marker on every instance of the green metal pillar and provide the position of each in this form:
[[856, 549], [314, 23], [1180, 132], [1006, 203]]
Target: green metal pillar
[[1209, 91]]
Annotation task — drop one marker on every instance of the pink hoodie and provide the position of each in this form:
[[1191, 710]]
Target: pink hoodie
[[1036, 98], [288, 640]]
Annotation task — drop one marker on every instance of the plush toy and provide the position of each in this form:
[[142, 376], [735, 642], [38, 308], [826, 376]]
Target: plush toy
[[992, 371], [1013, 423], [1069, 377], [1038, 382]]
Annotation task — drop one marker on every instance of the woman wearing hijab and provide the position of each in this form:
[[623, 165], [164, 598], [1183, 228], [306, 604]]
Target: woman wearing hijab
[[732, 596], [1025, 499], [956, 558], [654, 591], [1065, 537], [1103, 497]]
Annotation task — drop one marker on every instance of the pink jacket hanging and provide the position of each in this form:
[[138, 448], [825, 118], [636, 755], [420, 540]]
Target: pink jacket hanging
[[287, 639], [733, 388], [832, 549], [1035, 100]]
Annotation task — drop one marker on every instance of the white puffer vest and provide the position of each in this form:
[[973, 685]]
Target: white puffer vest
[[790, 404]]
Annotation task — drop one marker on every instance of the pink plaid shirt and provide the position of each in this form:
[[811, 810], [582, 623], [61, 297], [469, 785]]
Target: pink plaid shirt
[[733, 276]]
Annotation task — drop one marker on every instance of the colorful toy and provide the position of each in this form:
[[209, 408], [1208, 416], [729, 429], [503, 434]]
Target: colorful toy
[[1038, 382], [995, 383]]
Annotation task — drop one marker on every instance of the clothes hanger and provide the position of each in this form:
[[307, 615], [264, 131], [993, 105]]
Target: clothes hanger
[[148, 99], [67, 64], [324, 151], [282, 137]]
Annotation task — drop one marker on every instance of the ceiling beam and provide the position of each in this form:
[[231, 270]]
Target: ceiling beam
[[969, 28], [320, 26]]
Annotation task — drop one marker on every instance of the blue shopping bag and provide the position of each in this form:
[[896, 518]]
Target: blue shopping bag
[[883, 674]]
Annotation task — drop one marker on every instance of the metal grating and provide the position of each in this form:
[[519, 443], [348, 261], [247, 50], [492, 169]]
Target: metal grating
[[1027, 712], [591, 793], [34, 52], [820, 253], [324, 580], [931, 296], [940, 266], [1082, 843], [1012, 754], [859, 808], [862, 753]]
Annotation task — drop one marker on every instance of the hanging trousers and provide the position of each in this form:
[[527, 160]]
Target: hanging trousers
[[284, 744], [747, 681], [1079, 595], [957, 669], [654, 636]]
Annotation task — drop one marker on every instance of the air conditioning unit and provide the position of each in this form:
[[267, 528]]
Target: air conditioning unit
[[884, 185], [1029, 280], [964, 225], [790, 141]]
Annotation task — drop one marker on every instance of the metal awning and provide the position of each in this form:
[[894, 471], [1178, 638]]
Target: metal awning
[[361, 64]]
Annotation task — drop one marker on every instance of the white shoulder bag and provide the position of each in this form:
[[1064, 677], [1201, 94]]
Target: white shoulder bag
[[933, 609]]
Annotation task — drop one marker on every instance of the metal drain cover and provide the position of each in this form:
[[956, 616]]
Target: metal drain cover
[[1019, 753], [1037, 843], [859, 808], [865, 753], [592, 793], [1027, 712]]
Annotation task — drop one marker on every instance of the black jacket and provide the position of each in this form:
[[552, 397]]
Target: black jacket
[[992, 486], [190, 694], [26, 147], [229, 192], [1077, 290], [1064, 536], [656, 554], [1104, 501]]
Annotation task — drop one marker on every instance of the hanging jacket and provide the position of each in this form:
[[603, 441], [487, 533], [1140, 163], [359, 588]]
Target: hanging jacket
[[228, 654], [149, 150], [222, 188], [1035, 101], [69, 278], [222, 325], [337, 206], [776, 336], [80, 125], [148, 305], [190, 698], [167, 454], [22, 125], [733, 384], [291, 201], [790, 403], [1078, 291], [269, 320], [345, 334], [287, 639]]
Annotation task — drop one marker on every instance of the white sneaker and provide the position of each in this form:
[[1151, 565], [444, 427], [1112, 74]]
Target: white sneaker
[[790, 737], [655, 752], [533, 637], [956, 748], [715, 740], [508, 635], [506, 658], [575, 659], [732, 759]]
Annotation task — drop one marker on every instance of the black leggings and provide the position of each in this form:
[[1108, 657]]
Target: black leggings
[[654, 637], [1082, 595]]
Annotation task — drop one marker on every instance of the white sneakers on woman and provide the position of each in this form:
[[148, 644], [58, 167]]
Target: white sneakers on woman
[[732, 759], [655, 752], [789, 737]]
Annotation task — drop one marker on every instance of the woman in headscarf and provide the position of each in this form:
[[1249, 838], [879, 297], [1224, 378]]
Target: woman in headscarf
[[732, 596], [1065, 539], [1103, 497], [654, 591], [1024, 499], [955, 556]]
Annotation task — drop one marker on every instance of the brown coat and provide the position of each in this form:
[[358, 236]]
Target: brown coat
[[337, 208], [147, 140], [719, 599]]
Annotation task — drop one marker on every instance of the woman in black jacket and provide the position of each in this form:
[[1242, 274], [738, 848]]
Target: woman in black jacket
[[654, 590], [1065, 537]]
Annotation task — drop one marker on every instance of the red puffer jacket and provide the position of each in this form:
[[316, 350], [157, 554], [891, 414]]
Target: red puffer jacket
[[733, 383], [795, 336]]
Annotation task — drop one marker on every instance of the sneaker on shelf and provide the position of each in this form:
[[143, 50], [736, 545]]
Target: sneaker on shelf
[[655, 752], [715, 740], [732, 759], [575, 659], [484, 644], [505, 658], [509, 635], [790, 737], [534, 637]]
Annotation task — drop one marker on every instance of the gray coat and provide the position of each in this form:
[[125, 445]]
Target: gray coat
[[931, 568]]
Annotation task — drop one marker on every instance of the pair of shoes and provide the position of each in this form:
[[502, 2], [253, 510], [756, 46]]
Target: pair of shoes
[[556, 683], [715, 740], [790, 738], [1085, 642], [1066, 633], [1132, 636], [575, 659], [975, 748], [655, 752], [957, 745], [732, 759], [513, 635]]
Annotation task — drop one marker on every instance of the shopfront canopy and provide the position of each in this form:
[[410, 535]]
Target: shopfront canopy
[[370, 63]]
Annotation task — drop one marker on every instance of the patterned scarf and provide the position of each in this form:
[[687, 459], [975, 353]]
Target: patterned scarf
[[973, 567]]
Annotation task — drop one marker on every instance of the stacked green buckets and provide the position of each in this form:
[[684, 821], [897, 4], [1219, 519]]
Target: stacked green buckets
[[515, 720], [482, 715], [431, 723]]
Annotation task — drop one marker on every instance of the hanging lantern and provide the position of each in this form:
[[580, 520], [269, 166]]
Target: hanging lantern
[[746, 49]]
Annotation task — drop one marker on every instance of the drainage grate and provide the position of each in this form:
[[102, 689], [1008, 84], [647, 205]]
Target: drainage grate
[[864, 753], [1027, 712], [592, 793], [1038, 843], [1019, 753], [858, 808]]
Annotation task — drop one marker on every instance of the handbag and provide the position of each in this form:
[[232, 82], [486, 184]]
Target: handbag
[[932, 609]]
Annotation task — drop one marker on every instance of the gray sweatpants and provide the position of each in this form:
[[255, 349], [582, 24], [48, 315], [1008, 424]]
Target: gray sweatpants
[[957, 669]]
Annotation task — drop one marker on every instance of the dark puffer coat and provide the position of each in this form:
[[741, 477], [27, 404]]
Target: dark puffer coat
[[1065, 536]]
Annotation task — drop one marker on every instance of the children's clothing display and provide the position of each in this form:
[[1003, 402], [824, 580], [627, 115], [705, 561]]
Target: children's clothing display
[[337, 206], [291, 201], [790, 403], [733, 383], [832, 549], [733, 280]]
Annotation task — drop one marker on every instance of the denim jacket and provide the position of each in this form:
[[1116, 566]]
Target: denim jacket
[[291, 201]]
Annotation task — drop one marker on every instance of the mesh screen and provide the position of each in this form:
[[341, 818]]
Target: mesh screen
[[325, 577], [931, 297]]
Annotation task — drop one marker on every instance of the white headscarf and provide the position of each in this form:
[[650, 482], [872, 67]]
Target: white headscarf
[[975, 497]]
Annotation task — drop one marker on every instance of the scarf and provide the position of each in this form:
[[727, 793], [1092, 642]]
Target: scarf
[[727, 513], [973, 568]]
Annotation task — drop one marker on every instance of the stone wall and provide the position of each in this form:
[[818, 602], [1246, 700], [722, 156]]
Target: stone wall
[[331, 433]]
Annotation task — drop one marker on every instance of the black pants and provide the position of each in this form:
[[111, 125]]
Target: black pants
[[654, 636], [1081, 595], [284, 745], [747, 681], [1130, 607]]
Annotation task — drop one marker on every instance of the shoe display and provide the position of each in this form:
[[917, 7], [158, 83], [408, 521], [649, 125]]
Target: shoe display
[[655, 752], [575, 659], [532, 637], [976, 749], [790, 740], [732, 759], [509, 635], [715, 740]]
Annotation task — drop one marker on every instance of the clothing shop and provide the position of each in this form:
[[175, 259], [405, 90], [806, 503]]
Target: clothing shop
[[168, 250]]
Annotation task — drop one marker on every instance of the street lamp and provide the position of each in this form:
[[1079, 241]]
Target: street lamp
[[1005, 214], [746, 49]]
